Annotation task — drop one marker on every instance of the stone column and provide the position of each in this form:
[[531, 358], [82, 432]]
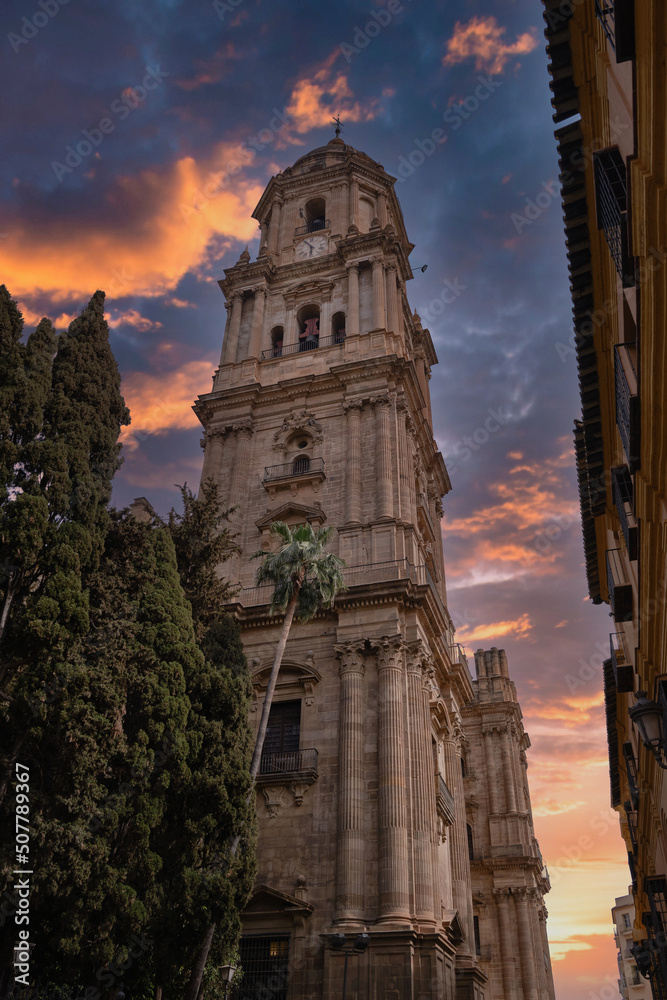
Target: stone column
[[526, 950], [548, 974], [231, 341], [392, 814], [537, 920], [492, 774], [507, 948], [263, 238], [404, 460], [350, 863], [392, 299], [354, 203], [274, 228], [459, 838], [255, 346], [214, 444], [353, 410], [352, 321], [382, 207], [424, 820], [508, 771], [243, 431], [383, 482], [325, 318], [379, 310]]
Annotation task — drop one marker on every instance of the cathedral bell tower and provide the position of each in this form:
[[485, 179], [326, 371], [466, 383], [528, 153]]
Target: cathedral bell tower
[[320, 412]]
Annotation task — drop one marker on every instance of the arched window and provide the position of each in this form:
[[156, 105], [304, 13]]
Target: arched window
[[315, 214], [308, 319], [277, 337], [300, 464], [338, 327], [471, 846]]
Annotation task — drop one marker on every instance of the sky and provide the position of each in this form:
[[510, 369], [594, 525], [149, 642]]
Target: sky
[[137, 140]]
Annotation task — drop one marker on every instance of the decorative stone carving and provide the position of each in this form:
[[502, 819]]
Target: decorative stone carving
[[274, 798], [297, 421]]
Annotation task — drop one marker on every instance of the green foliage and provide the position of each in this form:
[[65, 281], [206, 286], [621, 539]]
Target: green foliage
[[204, 541], [300, 566]]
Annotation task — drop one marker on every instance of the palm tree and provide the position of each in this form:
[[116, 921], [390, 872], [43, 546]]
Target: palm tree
[[304, 578]]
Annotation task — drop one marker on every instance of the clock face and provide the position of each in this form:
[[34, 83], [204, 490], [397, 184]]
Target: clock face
[[312, 246]]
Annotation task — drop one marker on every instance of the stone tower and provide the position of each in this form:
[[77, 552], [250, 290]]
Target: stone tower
[[320, 412]]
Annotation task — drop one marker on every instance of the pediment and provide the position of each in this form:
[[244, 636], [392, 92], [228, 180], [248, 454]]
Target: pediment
[[291, 672], [291, 510], [266, 901]]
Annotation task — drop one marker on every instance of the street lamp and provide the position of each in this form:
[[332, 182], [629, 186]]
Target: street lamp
[[358, 947], [227, 973], [646, 714]]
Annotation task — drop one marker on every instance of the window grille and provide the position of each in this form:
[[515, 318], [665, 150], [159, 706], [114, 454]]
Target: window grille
[[612, 200], [623, 493], [300, 464], [265, 964], [631, 768]]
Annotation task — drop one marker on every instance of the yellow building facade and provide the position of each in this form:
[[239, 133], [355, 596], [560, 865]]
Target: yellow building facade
[[607, 62]]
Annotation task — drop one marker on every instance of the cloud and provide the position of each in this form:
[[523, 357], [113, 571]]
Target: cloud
[[162, 402], [553, 807], [212, 70], [314, 100], [482, 39], [519, 628], [131, 317], [159, 224]]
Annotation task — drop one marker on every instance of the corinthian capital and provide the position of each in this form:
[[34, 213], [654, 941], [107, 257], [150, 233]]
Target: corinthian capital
[[389, 651], [244, 427], [351, 656]]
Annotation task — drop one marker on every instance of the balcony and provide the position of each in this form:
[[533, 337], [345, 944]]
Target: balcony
[[631, 770], [457, 654], [312, 227], [623, 494], [623, 669], [301, 468], [444, 801], [612, 215], [632, 824], [617, 19], [620, 591], [301, 346], [302, 763], [627, 402]]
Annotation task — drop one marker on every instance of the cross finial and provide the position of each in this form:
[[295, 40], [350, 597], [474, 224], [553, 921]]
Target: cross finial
[[336, 122]]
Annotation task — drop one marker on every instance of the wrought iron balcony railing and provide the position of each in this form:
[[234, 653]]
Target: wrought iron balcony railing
[[301, 346], [290, 470], [623, 493], [612, 215], [627, 402], [312, 227], [445, 801], [631, 769], [621, 663], [289, 763], [632, 824], [457, 654], [620, 591]]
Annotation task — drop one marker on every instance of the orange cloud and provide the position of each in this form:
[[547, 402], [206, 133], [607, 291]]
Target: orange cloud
[[314, 101], [519, 628], [212, 70], [482, 39], [166, 222], [131, 317], [163, 402]]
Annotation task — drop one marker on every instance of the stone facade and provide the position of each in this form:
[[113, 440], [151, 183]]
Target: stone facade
[[320, 412]]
